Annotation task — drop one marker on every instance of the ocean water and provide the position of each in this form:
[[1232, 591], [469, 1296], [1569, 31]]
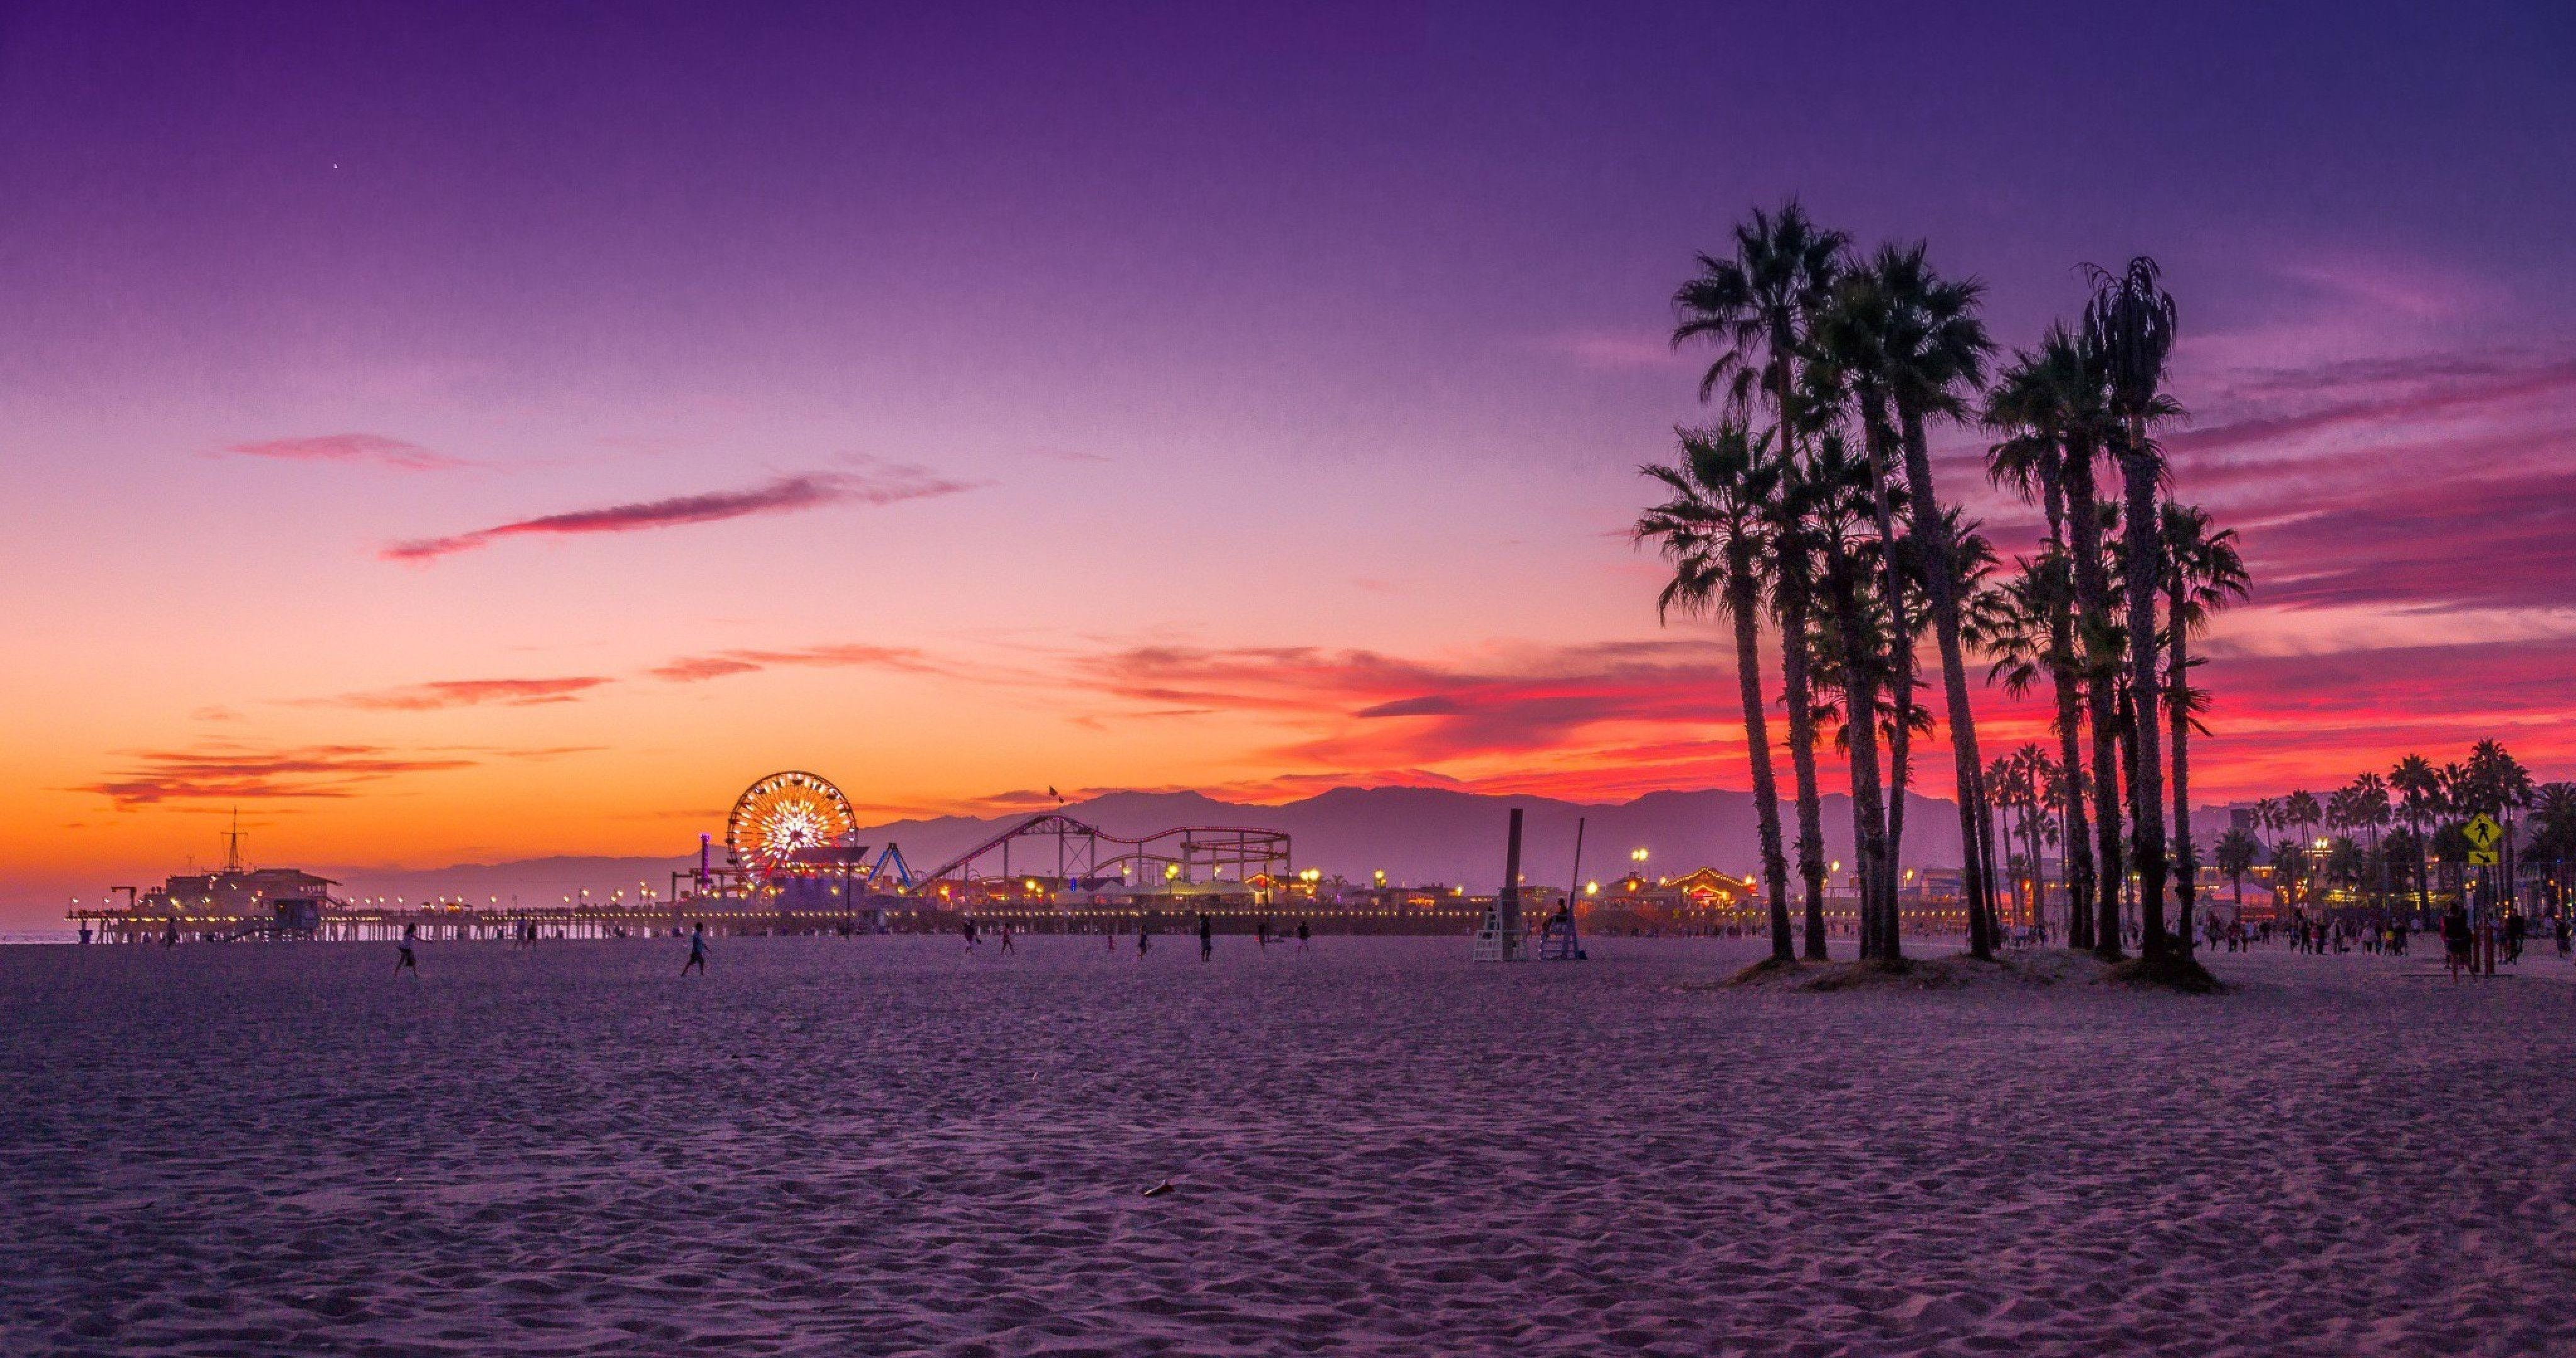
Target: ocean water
[[8, 936]]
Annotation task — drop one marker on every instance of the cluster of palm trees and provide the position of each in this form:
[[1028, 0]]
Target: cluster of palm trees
[[2381, 836], [1807, 512]]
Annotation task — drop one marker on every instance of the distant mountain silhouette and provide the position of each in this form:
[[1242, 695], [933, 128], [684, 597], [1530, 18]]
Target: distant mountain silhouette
[[1415, 835]]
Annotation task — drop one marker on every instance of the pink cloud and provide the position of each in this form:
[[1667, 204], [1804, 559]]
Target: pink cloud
[[787, 494], [448, 693], [375, 448], [693, 669], [236, 773]]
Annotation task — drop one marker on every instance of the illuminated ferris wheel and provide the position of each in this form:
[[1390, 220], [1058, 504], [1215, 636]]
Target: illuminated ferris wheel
[[784, 814]]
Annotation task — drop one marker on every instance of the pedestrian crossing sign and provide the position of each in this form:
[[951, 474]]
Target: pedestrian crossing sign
[[2482, 832], [2482, 858]]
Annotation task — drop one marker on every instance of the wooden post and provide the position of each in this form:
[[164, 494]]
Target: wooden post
[[1507, 902]]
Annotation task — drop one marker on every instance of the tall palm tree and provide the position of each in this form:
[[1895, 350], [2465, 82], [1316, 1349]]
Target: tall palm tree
[[2368, 809], [2204, 572], [2069, 378], [2236, 852], [1712, 530], [2130, 325], [1758, 307], [2018, 625], [1793, 595], [1926, 349], [2025, 406], [2301, 810], [2418, 790], [1840, 496]]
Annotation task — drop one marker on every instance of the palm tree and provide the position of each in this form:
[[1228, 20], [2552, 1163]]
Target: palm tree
[[1837, 482], [1711, 530], [1925, 350], [2129, 324], [2025, 406], [2203, 573], [2236, 852], [2302, 810], [2418, 790], [2065, 380], [2018, 626], [1793, 595], [2508, 788], [1758, 307], [2553, 836], [2366, 808]]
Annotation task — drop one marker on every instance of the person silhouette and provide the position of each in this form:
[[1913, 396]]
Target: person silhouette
[[697, 950], [1207, 936], [403, 959]]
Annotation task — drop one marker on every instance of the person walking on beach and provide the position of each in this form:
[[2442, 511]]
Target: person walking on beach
[[1006, 938], [170, 932], [2558, 929], [403, 959], [1144, 940], [2456, 938], [1303, 934], [1261, 931], [1207, 936], [697, 950]]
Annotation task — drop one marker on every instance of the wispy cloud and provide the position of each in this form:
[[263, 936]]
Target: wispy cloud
[[1618, 349], [718, 664], [1364, 709], [241, 773], [448, 693], [379, 449], [882, 485]]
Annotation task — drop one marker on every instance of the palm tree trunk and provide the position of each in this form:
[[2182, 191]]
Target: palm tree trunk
[[1869, 811], [2077, 861], [2035, 818], [1757, 740], [2092, 605], [1900, 742], [1900, 745], [2423, 886], [1941, 583], [2186, 868], [2145, 556], [1791, 591]]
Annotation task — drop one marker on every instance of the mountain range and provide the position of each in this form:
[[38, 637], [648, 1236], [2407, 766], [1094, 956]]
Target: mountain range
[[1415, 835]]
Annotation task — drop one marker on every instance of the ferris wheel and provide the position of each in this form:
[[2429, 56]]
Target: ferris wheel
[[783, 814]]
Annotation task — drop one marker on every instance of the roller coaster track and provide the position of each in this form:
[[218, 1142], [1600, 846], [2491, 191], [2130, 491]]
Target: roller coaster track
[[1187, 848]]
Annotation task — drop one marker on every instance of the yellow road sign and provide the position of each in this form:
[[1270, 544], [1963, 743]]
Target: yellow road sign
[[2482, 831], [2482, 858]]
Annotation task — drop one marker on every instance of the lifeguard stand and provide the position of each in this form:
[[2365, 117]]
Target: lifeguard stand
[[1502, 938]]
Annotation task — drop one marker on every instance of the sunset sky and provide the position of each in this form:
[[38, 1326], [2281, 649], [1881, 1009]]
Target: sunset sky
[[472, 432]]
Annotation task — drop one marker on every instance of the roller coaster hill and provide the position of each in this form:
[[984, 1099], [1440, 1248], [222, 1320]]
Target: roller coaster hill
[[793, 864]]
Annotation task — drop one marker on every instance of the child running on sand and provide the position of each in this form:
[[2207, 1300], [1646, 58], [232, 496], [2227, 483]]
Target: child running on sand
[[697, 951], [403, 960]]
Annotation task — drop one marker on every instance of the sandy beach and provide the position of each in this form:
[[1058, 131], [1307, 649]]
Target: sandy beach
[[837, 1146]]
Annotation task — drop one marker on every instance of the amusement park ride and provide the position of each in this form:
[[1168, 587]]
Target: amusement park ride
[[791, 850]]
